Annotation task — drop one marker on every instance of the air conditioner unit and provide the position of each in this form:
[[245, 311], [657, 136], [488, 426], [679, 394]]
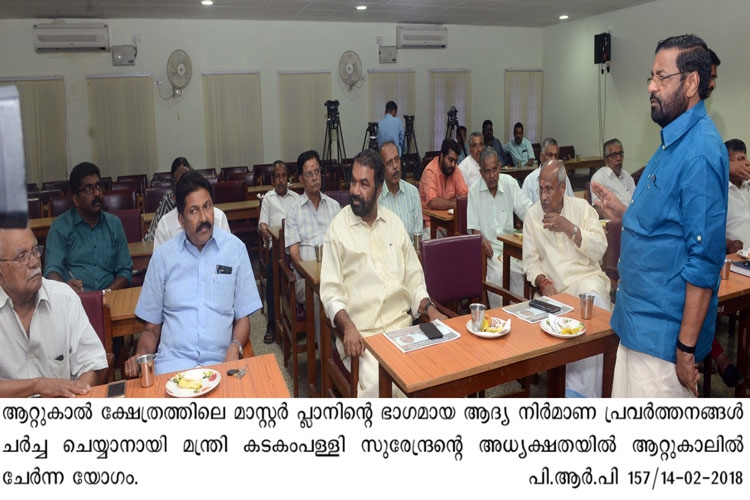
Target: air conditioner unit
[[55, 37], [421, 36]]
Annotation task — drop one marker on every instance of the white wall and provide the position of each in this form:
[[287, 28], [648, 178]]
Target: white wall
[[570, 84], [269, 47]]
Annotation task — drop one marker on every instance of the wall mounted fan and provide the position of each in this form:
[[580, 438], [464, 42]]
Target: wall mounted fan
[[179, 71], [350, 69]]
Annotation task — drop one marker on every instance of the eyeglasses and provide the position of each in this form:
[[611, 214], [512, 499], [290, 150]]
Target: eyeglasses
[[616, 154], [660, 78], [23, 257], [310, 174], [547, 190], [90, 188]]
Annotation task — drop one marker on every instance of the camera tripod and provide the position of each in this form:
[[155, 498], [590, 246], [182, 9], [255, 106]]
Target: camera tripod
[[372, 134], [333, 123]]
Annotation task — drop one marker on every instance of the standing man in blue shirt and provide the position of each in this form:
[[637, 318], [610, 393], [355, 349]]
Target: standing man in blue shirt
[[198, 292], [86, 247], [672, 244], [390, 128]]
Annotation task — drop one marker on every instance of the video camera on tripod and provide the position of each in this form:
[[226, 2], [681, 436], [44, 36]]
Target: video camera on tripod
[[409, 119], [333, 111], [452, 122], [371, 134]]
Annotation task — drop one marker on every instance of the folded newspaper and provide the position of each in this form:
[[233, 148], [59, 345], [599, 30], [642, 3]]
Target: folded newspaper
[[533, 315], [411, 338]]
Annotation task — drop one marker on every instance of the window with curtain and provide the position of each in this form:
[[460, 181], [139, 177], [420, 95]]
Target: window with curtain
[[233, 119], [523, 102], [448, 87], [390, 85], [121, 119], [44, 127], [302, 111]]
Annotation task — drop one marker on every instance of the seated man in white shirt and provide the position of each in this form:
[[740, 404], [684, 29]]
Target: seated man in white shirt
[[169, 225], [469, 166], [371, 280], [273, 210], [48, 346], [549, 150], [612, 176], [492, 202], [563, 242]]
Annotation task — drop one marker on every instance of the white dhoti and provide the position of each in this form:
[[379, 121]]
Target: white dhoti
[[495, 276], [368, 373], [640, 375], [583, 379]]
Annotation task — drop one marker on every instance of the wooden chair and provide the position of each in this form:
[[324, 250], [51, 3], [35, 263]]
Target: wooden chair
[[161, 183], [225, 171], [31, 186], [131, 222], [336, 379], [228, 191], [248, 177], [106, 183], [206, 171], [100, 318], [263, 174], [340, 196], [63, 186], [59, 205], [292, 317], [133, 185], [152, 198], [460, 214], [612, 255], [120, 199], [162, 176], [140, 179]]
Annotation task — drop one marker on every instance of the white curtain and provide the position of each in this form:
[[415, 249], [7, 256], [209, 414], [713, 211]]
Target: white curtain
[[121, 119], [397, 86], [448, 87], [302, 111], [523, 103], [233, 119], [44, 128]]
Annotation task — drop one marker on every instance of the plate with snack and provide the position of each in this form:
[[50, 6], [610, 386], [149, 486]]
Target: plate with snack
[[563, 328], [743, 253], [193, 383], [492, 328]]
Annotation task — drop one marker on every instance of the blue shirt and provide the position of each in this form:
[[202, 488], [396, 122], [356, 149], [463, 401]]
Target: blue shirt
[[502, 157], [406, 204], [195, 305], [390, 129], [520, 152], [95, 255], [673, 234]]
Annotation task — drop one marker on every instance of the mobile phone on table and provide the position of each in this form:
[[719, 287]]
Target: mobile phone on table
[[116, 389], [431, 331]]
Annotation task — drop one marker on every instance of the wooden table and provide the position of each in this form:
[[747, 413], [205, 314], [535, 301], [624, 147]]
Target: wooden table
[[588, 162], [235, 210], [41, 226], [470, 364], [140, 252], [263, 380], [310, 271], [122, 308], [254, 191], [518, 173], [512, 247], [734, 297], [441, 218]]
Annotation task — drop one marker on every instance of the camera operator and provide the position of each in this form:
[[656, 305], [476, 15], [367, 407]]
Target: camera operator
[[390, 128]]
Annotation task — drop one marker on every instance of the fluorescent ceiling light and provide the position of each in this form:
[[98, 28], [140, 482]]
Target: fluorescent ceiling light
[[563, 17], [361, 7], [207, 2]]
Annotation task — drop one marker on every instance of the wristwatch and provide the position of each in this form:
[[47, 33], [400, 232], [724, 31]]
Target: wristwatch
[[575, 232], [427, 305], [239, 346]]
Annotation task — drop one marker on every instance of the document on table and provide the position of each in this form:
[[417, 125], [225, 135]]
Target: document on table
[[411, 338], [533, 315]]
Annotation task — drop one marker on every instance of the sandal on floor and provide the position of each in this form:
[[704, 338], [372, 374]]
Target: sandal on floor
[[269, 338]]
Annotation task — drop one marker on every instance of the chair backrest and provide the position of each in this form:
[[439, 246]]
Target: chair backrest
[[120, 199], [212, 179], [248, 177], [161, 183], [132, 185], [35, 208], [263, 173], [131, 222], [537, 149], [637, 174], [567, 152], [93, 304], [453, 267], [612, 255], [47, 194], [31, 186], [59, 205], [341, 196], [106, 183], [152, 197], [206, 171], [141, 179], [227, 191], [162, 176], [225, 171], [63, 186], [460, 214]]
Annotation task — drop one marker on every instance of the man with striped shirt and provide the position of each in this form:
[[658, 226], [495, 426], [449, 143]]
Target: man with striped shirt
[[400, 197]]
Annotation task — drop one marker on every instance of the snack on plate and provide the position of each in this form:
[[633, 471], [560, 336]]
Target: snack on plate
[[571, 331], [188, 383], [492, 325]]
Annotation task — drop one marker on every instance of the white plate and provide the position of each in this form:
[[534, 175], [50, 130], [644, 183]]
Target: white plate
[[566, 322], [209, 378], [743, 253], [490, 335], [450, 211]]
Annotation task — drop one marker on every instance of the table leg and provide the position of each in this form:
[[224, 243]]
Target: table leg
[[608, 370], [742, 353], [385, 387], [506, 269], [276, 253], [433, 230], [556, 382]]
